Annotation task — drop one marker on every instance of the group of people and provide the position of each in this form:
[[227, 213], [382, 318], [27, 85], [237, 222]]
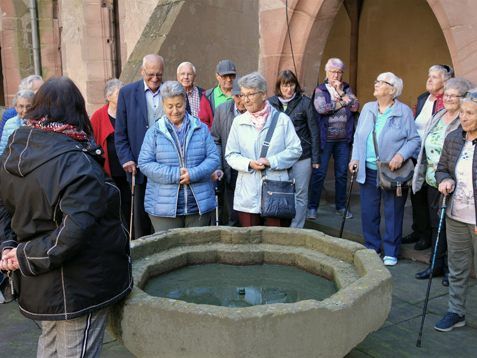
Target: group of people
[[440, 139], [65, 197]]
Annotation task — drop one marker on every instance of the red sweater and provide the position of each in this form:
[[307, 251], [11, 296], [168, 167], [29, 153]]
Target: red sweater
[[102, 129], [205, 112]]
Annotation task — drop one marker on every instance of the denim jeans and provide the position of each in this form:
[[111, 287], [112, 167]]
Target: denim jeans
[[341, 153]]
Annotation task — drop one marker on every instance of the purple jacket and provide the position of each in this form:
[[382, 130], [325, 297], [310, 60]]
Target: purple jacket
[[326, 109]]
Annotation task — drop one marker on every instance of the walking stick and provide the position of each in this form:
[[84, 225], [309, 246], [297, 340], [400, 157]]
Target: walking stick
[[348, 199], [216, 204], [433, 261], [133, 186]]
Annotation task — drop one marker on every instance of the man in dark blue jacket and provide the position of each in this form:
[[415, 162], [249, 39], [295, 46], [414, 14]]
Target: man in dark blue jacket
[[139, 107]]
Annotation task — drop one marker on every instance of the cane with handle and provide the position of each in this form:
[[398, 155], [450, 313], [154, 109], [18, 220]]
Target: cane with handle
[[433, 261], [348, 199], [131, 218]]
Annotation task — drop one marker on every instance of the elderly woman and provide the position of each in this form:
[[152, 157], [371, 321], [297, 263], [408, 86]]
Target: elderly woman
[[455, 175], [103, 122], [428, 104], [178, 157], [246, 138], [444, 122], [23, 101], [70, 254], [289, 98], [336, 105], [397, 141]]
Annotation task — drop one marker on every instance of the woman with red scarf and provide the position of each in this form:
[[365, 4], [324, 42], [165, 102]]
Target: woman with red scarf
[[60, 229]]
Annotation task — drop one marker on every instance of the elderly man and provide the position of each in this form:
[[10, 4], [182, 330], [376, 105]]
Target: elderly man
[[139, 107], [214, 97], [428, 104], [186, 74], [224, 116]]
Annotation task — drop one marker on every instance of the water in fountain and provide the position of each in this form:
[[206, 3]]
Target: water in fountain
[[240, 286]]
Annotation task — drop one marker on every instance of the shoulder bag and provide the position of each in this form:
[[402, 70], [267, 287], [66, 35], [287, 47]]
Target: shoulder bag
[[278, 197], [393, 180]]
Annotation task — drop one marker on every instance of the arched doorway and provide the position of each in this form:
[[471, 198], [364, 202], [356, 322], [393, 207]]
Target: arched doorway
[[311, 21], [401, 36]]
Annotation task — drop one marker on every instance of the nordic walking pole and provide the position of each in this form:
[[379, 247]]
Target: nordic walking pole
[[131, 218], [348, 199], [433, 261]]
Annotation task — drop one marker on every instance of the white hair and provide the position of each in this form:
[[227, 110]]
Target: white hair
[[334, 62], [186, 63], [394, 80]]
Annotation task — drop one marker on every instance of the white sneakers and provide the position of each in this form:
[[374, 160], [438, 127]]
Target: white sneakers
[[389, 261]]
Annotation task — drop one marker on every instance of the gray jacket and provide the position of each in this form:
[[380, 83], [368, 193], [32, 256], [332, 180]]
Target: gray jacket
[[453, 145], [223, 118], [399, 135], [421, 164], [245, 144]]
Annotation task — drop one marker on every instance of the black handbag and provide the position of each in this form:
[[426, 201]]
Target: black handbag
[[393, 180], [7, 288], [278, 197]]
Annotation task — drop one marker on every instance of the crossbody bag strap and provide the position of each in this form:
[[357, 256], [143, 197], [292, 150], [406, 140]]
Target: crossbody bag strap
[[375, 141], [268, 137]]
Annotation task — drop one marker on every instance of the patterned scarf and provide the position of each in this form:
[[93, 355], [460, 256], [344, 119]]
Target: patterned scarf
[[58, 127], [259, 118]]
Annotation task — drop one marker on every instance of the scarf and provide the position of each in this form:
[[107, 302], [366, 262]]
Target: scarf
[[286, 101], [259, 118], [67, 129]]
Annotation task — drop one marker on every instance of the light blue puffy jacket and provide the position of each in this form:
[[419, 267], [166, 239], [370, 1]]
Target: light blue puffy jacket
[[159, 160], [11, 125]]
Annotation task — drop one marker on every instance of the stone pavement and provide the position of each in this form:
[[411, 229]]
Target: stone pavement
[[397, 337]]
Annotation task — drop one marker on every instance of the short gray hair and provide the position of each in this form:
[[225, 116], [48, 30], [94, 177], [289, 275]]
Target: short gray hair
[[394, 80], [334, 62], [470, 96], [27, 82], [25, 93], [446, 71], [111, 86], [171, 89], [253, 80], [458, 83], [186, 63]]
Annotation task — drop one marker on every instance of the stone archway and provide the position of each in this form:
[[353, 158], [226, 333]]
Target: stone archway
[[455, 20], [275, 52]]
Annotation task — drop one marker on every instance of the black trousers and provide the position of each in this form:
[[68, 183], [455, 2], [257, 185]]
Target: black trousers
[[420, 213], [141, 223]]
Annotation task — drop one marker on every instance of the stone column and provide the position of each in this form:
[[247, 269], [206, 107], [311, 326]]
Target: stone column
[[15, 37]]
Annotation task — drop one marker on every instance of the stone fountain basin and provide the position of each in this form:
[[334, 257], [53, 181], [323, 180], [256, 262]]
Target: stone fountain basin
[[151, 326]]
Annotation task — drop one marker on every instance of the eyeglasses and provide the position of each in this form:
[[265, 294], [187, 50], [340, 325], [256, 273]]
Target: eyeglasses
[[380, 82], [451, 96], [472, 96], [151, 75], [248, 95], [336, 72], [230, 75]]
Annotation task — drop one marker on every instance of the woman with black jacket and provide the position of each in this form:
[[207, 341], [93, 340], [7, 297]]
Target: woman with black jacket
[[456, 177], [289, 98], [67, 247]]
